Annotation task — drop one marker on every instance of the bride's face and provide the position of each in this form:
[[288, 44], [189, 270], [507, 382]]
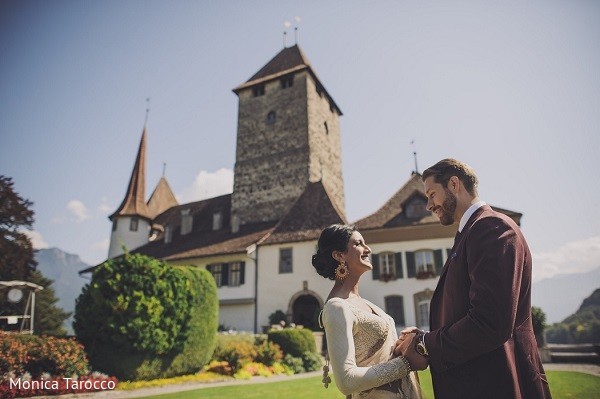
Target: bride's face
[[357, 254]]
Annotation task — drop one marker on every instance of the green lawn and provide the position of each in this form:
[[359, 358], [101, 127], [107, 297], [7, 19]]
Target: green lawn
[[563, 384]]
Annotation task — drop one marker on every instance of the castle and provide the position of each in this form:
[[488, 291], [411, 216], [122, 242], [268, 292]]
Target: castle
[[258, 241]]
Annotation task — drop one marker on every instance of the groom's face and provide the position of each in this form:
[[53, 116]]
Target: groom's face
[[440, 200]]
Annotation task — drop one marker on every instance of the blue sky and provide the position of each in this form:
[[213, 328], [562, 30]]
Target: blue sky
[[510, 87]]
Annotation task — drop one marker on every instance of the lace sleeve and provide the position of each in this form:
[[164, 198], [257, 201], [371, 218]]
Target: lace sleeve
[[338, 320]]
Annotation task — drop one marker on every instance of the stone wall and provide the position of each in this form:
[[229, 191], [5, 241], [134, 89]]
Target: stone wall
[[277, 157]]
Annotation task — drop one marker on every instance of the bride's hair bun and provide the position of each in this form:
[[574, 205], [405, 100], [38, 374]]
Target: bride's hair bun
[[333, 238]]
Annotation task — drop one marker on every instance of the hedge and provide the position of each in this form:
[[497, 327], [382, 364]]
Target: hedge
[[294, 341]]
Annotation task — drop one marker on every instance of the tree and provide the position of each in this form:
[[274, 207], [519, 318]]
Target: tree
[[16, 252], [17, 261], [539, 324]]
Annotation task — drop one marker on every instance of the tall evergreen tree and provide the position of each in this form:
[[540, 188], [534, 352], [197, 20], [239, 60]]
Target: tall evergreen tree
[[16, 252]]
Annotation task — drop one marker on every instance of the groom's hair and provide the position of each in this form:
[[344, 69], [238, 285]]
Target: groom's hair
[[446, 168]]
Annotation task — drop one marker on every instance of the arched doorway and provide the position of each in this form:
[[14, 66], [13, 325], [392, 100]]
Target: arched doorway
[[305, 311]]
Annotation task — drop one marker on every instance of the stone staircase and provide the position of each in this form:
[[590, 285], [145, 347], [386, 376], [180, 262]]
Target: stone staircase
[[575, 353]]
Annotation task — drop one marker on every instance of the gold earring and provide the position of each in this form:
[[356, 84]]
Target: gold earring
[[341, 272]]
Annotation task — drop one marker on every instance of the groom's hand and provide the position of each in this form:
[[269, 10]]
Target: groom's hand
[[405, 346]]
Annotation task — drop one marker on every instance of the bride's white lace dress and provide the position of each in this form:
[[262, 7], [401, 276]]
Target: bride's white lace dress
[[360, 346]]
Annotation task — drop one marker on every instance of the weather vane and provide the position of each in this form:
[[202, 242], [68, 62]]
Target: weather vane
[[412, 142], [147, 110]]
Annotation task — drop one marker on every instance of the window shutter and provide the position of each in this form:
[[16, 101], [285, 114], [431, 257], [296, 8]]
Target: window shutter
[[242, 272], [375, 263], [399, 273], [224, 274], [439, 262], [411, 267]]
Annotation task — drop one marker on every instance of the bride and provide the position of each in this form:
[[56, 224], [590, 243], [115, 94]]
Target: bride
[[360, 335]]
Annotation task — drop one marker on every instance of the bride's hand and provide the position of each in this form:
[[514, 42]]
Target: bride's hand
[[410, 330]]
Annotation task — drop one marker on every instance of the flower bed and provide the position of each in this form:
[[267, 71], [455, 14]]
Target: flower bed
[[31, 365]]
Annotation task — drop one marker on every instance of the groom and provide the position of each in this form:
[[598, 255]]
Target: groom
[[481, 343]]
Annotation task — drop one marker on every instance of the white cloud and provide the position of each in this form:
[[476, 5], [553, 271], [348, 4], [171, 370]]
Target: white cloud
[[208, 185], [573, 257], [79, 210], [37, 241]]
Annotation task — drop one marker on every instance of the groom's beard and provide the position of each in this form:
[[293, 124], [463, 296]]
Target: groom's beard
[[448, 209]]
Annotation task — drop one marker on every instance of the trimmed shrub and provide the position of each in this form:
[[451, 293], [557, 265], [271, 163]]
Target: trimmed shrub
[[293, 341], [311, 361], [277, 317], [268, 353], [295, 364], [238, 350], [140, 318], [136, 303]]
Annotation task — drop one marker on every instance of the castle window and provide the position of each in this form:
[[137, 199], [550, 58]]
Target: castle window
[[217, 221], [285, 261], [168, 234], [424, 262], [423, 315], [387, 265], [133, 224], [235, 224], [287, 81], [186, 221], [421, 301], [217, 272], [235, 274], [114, 226], [271, 117], [258, 91], [326, 127], [394, 306]]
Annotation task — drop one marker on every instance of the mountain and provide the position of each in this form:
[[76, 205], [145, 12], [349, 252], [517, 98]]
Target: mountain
[[63, 269], [561, 295]]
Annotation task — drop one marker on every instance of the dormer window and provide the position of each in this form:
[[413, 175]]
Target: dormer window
[[416, 208], [287, 81], [186, 221], [217, 221], [258, 91], [168, 234]]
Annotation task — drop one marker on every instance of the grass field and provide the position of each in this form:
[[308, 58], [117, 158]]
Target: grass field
[[563, 385]]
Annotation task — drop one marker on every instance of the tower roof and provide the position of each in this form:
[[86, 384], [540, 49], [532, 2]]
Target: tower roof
[[311, 213], [162, 198], [134, 203], [290, 59]]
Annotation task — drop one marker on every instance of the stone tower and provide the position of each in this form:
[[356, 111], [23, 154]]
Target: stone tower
[[288, 136]]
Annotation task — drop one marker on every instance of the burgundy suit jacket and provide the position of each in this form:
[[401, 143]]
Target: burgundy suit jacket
[[481, 343]]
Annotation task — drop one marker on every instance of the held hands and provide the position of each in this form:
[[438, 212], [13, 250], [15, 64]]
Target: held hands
[[405, 346]]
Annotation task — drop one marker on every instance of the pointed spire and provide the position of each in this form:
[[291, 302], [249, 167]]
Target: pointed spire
[[134, 203], [162, 198]]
